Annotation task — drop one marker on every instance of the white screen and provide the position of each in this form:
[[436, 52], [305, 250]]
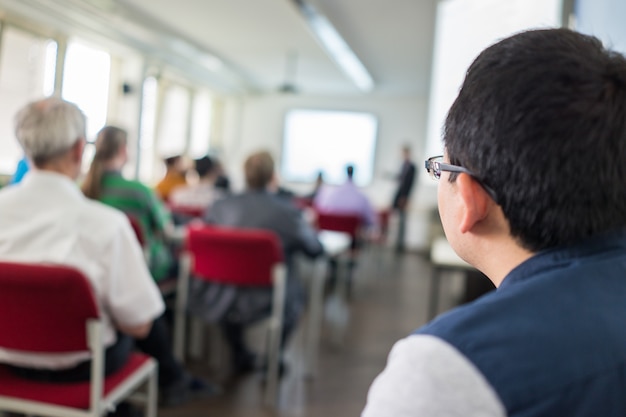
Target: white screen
[[328, 141]]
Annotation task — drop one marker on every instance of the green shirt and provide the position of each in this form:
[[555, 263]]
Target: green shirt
[[141, 203]]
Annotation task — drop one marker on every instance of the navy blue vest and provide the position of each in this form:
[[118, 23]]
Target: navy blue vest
[[551, 340]]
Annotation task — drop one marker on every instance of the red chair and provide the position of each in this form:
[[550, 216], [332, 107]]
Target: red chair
[[345, 222], [242, 257], [138, 229], [383, 223], [51, 309], [192, 212], [166, 286]]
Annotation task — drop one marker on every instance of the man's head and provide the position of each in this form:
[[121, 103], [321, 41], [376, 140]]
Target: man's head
[[205, 166], [350, 171], [175, 164], [541, 120], [406, 152], [51, 130], [111, 143], [259, 170]]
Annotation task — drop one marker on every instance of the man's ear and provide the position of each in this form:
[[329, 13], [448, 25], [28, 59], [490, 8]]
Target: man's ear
[[475, 201], [77, 150]]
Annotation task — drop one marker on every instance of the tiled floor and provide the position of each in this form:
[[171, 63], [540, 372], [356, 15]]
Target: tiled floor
[[388, 302]]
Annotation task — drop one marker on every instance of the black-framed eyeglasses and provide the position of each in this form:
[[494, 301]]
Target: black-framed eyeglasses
[[435, 166]]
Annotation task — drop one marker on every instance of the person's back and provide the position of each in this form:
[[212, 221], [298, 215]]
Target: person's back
[[257, 208], [263, 210], [174, 177], [104, 182], [204, 193], [72, 230], [531, 193], [47, 219], [346, 199], [138, 201]]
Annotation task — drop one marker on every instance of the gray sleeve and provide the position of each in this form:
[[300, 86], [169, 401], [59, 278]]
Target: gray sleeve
[[425, 376]]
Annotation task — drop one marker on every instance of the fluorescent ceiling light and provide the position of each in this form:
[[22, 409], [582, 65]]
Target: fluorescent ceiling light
[[336, 47]]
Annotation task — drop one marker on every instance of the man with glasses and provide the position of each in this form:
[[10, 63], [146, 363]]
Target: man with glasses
[[532, 192]]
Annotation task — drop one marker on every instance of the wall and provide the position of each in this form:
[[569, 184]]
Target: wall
[[256, 122], [604, 19]]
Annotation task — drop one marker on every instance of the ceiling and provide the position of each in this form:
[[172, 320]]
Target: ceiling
[[254, 38], [393, 39]]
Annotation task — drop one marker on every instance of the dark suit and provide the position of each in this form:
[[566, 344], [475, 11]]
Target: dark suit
[[261, 210], [401, 198], [405, 184]]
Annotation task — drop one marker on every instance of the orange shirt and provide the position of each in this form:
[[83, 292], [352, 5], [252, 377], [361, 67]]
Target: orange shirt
[[168, 183]]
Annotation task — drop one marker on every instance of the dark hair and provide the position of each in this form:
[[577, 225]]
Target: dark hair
[[204, 166], [259, 170], [109, 141], [350, 171], [171, 161], [541, 119]]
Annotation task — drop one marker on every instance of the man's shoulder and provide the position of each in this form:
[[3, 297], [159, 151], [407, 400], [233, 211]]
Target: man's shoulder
[[103, 214], [121, 182]]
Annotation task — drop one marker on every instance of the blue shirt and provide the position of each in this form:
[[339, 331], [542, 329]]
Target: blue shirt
[[21, 170]]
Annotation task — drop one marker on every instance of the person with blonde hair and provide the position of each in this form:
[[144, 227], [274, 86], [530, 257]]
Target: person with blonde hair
[[104, 182]]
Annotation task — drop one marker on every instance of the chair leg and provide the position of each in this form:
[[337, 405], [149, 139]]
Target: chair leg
[[180, 311], [316, 299], [152, 394], [276, 329], [337, 310], [196, 337]]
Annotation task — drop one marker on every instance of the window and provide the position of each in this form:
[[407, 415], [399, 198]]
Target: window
[[172, 132], [200, 125], [86, 83], [327, 141], [27, 66], [147, 129]]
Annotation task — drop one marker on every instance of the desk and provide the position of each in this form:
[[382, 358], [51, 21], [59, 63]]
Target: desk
[[335, 244], [443, 258]]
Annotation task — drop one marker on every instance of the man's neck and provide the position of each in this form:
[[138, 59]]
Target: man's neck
[[501, 257], [63, 169]]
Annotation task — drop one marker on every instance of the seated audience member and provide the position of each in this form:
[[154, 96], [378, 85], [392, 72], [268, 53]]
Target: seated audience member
[[20, 171], [175, 171], [46, 219], [319, 183], [257, 208], [104, 182], [532, 194], [222, 182], [346, 199], [204, 193], [275, 187]]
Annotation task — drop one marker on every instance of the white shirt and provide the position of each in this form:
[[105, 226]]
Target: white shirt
[[425, 376], [46, 219], [201, 195]]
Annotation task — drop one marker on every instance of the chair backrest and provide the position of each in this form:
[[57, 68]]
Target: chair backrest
[[234, 256], [345, 222], [187, 211], [137, 229], [44, 307], [383, 221]]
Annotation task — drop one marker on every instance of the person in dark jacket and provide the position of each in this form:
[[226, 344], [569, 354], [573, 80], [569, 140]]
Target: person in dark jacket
[[259, 208]]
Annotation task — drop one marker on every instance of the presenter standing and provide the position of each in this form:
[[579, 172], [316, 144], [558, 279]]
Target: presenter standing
[[401, 198]]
